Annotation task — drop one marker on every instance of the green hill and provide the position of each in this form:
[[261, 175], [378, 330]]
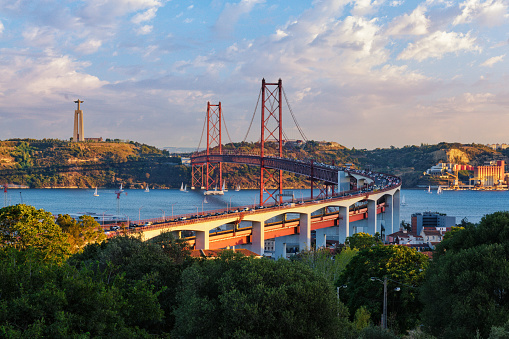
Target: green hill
[[57, 163]]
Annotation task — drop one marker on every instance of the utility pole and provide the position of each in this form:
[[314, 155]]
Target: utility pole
[[384, 314]]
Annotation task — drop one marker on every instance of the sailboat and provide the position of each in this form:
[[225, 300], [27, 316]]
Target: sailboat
[[185, 189], [403, 201], [205, 200], [214, 192], [95, 193], [224, 189], [429, 190], [147, 189], [439, 190], [237, 188], [182, 187]]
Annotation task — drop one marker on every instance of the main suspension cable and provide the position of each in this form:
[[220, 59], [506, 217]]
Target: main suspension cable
[[294, 119], [227, 133], [202, 132], [252, 118]]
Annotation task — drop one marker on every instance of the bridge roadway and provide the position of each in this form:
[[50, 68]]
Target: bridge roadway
[[382, 196]]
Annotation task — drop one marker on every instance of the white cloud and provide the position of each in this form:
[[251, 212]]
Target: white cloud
[[88, 47], [491, 61], [232, 13], [39, 36], [365, 7], [396, 3], [149, 14], [190, 7], [143, 30], [1, 27], [438, 44], [414, 23], [489, 13], [188, 20]]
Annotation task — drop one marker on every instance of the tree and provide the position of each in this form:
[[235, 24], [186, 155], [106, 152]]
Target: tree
[[404, 268], [23, 227], [82, 232], [240, 297], [362, 240], [467, 280]]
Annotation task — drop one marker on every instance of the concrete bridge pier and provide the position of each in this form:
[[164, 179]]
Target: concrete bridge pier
[[305, 232], [396, 209], [344, 224], [202, 240], [321, 238], [258, 237], [389, 218], [372, 222], [280, 247]]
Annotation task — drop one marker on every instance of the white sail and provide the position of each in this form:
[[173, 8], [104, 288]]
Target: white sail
[[429, 190], [403, 201], [205, 200], [237, 188], [95, 193], [224, 189], [182, 187], [147, 189]]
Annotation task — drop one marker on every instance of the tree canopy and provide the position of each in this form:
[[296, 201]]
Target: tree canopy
[[80, 232], [25, 227], [404, 267], [467, 280]]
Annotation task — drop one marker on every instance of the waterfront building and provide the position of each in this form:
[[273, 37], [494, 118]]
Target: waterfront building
[[432, 219]]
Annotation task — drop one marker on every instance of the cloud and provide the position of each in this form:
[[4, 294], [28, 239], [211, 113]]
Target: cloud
[[414, 23], [88, 47], [491, 61], [146, 29], [232, 14], [149, 14], [488, 13], [40, 36], [1, 27], [437, 44]]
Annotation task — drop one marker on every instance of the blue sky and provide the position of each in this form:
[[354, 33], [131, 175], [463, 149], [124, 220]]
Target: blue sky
[[366, 73]]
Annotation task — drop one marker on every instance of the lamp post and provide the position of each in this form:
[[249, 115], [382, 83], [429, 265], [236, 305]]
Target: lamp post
[[139, 213], [164, 214], [230, 203], [197, 209], [172, 209], [384, 314]]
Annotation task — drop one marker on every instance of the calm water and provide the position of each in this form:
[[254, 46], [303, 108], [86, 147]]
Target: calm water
[[470, 204]]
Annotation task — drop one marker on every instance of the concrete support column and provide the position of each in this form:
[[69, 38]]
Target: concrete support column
[[202, 240], [372, 223], [305, 232], [280, 248], [344, 224], [389, 218], [321, 238], [395, 211], [258, 237]]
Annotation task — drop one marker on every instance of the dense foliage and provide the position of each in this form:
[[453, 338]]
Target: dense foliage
[[468, 280], [403, 267]]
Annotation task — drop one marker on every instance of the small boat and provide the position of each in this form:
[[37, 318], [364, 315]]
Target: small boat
[[95, 193], [403, 202], [205, 200], [147, 189], [214, 192], [439, 190], [237, 188], [182, 187], [185, 189], [224, 189], [429, 190]]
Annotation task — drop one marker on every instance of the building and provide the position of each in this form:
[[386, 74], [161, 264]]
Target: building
[[492, 174], [431, 219], [100, 139]]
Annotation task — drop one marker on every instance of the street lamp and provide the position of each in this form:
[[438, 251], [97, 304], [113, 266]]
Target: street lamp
[[230, 203], [164, 215], [384, 314], [172, 209], [139, 213]]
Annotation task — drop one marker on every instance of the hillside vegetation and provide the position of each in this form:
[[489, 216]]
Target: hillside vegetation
[[57, 163]]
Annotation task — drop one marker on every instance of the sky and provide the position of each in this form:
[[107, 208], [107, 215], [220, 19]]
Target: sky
[[365, 73]]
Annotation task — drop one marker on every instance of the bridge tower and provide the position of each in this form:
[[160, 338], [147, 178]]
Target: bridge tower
[[271, 132], [210, 174]]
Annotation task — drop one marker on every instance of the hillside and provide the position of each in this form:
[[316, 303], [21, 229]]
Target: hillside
[[57, 163]]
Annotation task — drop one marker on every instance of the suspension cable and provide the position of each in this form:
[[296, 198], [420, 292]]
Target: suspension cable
[[294, 119], [227, 133], [252, 118], [202, 132]]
